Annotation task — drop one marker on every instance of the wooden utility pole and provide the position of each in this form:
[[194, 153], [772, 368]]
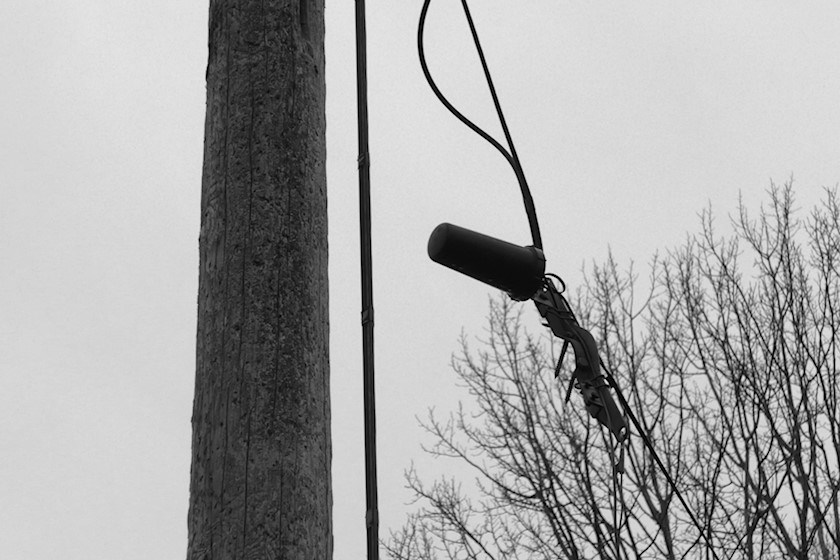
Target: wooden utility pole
[[261, 452]]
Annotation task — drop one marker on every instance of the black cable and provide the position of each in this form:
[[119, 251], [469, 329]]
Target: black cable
[[611, 380], [530, 210], [475, 128], [510, 156], [618, 483]]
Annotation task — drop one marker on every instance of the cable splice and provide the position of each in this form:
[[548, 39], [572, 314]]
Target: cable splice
[[550, 303]]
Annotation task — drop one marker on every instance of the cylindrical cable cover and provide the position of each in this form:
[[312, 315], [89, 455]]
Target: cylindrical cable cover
[[514, 269]]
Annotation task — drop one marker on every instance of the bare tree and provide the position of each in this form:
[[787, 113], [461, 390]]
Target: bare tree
[[730, 363], [260, 479]]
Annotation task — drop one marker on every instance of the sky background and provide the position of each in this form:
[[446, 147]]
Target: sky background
[[629, 118]]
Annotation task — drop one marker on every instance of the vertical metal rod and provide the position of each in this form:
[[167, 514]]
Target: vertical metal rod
[[372, 513]]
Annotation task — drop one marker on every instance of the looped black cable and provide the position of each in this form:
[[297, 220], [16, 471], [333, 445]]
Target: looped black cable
[[511, 156]]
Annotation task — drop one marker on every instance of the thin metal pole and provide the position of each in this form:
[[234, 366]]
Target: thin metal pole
[[372, 513]]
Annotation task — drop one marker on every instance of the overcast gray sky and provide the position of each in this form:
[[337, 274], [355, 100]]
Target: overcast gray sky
[[629, 118]]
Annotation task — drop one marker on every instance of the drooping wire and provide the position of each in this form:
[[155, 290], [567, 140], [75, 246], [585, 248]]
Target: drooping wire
[[618, 486], [619, 507], [509, 153], [626, 406], [530, 210], [442, 98]]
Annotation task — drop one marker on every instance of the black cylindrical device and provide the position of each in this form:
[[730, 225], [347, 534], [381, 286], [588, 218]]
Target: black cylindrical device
[[512, 268]]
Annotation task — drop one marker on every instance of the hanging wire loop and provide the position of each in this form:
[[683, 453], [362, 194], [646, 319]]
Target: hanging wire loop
[[509, 153]]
